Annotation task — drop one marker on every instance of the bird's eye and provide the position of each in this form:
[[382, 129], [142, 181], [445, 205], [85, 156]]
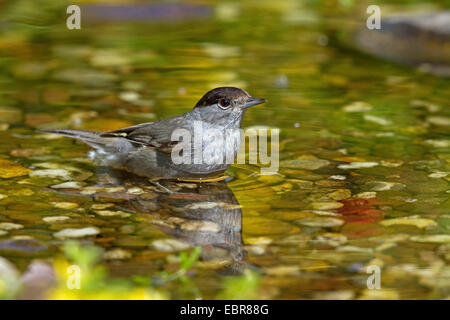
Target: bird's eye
[[224, 103]]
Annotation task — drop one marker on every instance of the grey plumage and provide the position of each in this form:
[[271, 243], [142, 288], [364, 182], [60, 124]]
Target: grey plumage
[[145, 149]]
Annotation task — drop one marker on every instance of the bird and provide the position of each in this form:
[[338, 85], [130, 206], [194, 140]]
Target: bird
[[151, 150]]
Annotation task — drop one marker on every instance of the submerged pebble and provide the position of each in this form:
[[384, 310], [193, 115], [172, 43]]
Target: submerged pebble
[[205, 226], [76, 233], [391, 163], [432, 238], [129, 96], [93, 190], [438, 174], [10, 226], [21, 192], [338, 177], [110, 213], [431, 186], [326, 205], [69, 185], [357, 106], [366, 195], [324, 213], [258, 240], [170, 245], [320, 222], [358, 165], [429, 106], [187, 185], [220, 51], [283, 271], [55, 219], [354, 249], [117, 254], [340, 194], [384, 186], [135, 190], [305, 164], [101, 206], [331, 239], [439, 120], [438, 143], [51, 173], [411, 220], [378, 120], [65, 205], [210, 205]]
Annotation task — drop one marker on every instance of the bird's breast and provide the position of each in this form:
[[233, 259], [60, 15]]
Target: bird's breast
[[219, 145]]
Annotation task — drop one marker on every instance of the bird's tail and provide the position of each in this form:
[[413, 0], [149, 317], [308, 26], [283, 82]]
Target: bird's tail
[[91, 138], [110, 151]]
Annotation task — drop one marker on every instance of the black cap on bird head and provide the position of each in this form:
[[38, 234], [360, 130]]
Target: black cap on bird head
[[225, 97]]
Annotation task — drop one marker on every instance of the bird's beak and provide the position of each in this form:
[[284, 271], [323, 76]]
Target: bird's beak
[[253, 102]]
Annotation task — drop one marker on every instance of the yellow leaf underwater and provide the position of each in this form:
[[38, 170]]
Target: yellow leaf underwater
[[10, 169], [413, 221]]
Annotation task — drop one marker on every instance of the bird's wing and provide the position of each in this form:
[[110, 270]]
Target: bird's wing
[[152, 134]]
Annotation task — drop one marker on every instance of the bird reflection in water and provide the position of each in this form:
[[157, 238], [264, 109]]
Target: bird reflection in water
[[207, 215], [200, 214]]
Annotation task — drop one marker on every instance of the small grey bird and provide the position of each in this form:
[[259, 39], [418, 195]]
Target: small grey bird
[[147, 149]]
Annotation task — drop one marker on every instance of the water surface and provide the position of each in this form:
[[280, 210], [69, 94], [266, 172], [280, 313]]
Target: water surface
[[364, 149]]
